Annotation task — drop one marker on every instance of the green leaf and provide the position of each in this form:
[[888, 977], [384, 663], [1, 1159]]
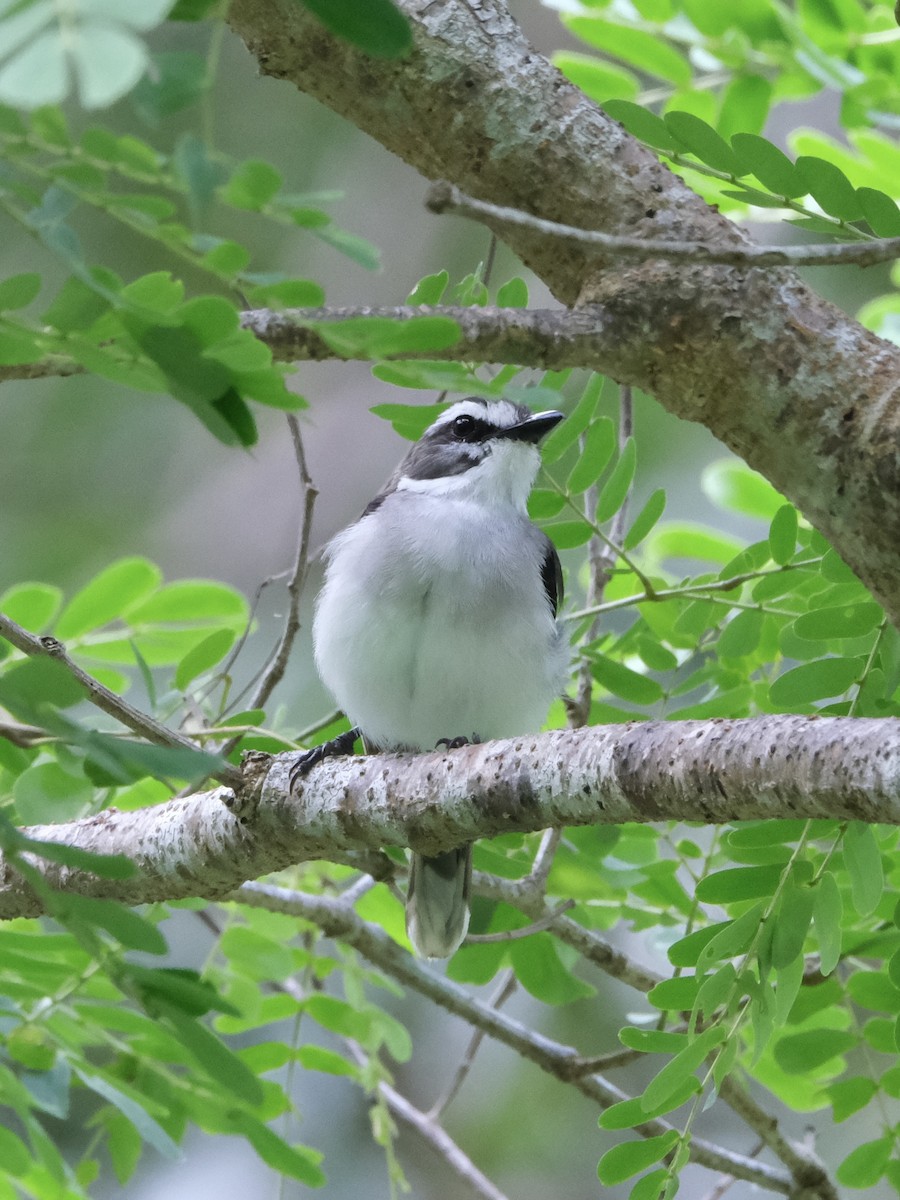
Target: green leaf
[[801, 1052], [150, 1130], [615, 491], [880, 210], [18, 291], [839, 621], [628, 1113], [46, 794], [32, 605], [649, 53], [745, 106], [430, 289], [376, 26], [598, 79], [694, 135], [653, 509], [771, 166], [127, 926], [738, 883], [194, 600], [741, 635], [827, 914], [252, 185], [624, 1161], [287, 293], [829, 187], [567, 432], [732, 485], [177, 988], [318, 1058], [177, 79], [513, 294], [222, 1064], [671, 1078], [874, 990], [650, 1041], [848, 1096], [29, 686], [623, 682], [567, 534], [864, 1166], [862, 858], [679, 993], [203, 656], [409, 420], [791, 924], [783, 534], [297, 1162], [814, 681], [108, 595], [641, 123], [596, 451], [733, 938], [540, 971]]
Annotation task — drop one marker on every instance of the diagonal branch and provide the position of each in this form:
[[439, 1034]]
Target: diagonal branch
[[563, 1062], [711, 771]]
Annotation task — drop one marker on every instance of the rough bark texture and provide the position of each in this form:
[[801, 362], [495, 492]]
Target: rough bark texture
[[805, 395], [712, 771]]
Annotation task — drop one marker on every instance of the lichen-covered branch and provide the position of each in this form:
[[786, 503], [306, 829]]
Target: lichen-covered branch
[[710, 771]]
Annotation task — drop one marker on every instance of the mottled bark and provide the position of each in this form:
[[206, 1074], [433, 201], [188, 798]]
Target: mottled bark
[[711, 771]]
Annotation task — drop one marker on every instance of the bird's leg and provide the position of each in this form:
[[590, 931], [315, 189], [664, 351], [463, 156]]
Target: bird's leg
[[336, 748]]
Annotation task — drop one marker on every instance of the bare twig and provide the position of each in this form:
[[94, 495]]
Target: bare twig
[[426, 1125], [23, 735], [129, 716], [722, 1185], [508, 985], [444, 197], [274, 670]]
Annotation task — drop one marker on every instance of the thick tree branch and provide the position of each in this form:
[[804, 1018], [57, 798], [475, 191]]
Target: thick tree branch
[[710, 771], [804, 394]]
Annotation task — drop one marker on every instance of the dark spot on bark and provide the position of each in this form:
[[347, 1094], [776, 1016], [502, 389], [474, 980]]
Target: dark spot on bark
[[650, 212], [849, 414]]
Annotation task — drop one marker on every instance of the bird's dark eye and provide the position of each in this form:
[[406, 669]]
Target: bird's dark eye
[[465, 428]]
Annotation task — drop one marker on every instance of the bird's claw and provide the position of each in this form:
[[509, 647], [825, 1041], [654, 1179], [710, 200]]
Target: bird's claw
[[341, 745]]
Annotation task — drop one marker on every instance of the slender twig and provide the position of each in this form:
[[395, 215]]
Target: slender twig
[[723, 1184], [428, 1128], [274, 670], [511, 935], [139, 722], [688, 589], [508, 985], [602, 559], [543, 861], [444, 197], [337, 921], [23, 735]]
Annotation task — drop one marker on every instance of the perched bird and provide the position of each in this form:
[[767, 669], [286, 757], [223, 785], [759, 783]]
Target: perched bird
[[437, 618]]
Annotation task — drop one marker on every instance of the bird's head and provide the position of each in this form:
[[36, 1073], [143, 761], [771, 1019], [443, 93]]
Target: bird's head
[[479, 450]]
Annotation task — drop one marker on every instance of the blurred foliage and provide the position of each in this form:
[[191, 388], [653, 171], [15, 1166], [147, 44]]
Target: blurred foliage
[[778, 941]]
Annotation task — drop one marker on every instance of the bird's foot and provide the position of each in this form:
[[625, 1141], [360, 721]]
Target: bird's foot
[[336, 748], [457, 742]]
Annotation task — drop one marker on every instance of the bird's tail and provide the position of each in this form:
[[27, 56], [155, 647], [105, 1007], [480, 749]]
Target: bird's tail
[[437, 901]]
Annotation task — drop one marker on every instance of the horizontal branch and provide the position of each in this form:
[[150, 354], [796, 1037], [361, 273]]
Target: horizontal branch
[[444, 197], [710, 771]]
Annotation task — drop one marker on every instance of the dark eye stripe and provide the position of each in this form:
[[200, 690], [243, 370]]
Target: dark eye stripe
[[470, 429]]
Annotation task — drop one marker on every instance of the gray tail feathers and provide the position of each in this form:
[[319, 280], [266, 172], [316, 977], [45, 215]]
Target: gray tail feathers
[[437, 901]]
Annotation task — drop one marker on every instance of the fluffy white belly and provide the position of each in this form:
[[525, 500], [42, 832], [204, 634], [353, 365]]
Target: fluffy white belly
[[416, 650]]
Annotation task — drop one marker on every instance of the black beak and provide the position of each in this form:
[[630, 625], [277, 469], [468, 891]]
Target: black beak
[[533, 428]]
